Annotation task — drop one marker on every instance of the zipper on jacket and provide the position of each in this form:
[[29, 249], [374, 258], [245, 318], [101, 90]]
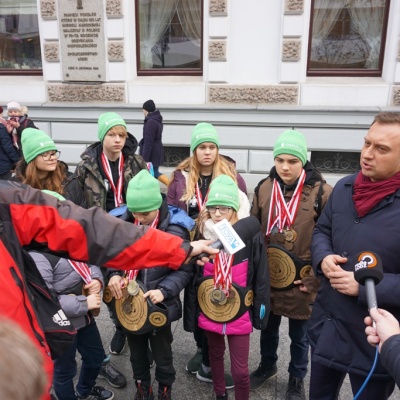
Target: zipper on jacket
[[20, 284]]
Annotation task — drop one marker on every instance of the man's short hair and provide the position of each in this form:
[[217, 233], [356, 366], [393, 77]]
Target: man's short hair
[[387, 118]]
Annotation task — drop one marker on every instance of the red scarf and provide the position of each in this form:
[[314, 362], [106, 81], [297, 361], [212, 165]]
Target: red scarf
[[367, 194]]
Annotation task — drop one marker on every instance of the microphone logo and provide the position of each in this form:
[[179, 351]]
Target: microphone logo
[[366, 259]]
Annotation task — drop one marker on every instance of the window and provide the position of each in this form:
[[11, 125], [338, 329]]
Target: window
[[169, 37], [347, 37], [19, 38]]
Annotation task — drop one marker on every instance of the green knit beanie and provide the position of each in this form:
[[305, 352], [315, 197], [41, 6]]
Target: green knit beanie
[[35, 142], [223, 192], [143, 194], [203, 132], [291, 142], [106, 122], [55, 194]]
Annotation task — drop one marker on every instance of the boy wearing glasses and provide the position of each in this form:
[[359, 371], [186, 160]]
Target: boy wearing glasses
[[147, 206]]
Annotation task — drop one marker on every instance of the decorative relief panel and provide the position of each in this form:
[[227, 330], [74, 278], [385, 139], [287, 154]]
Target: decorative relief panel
[[51, 53], [217, 50], [48, 9], [218, 8], [86, 93], [114, 8], [291, 50], [294, 6], [278, 94], [115, 51], [396, 95]]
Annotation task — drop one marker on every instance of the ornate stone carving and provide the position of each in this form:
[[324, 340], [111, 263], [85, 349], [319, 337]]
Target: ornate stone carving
[[51, 53], [294, 6], [291, 50], [217, 50], [277, 94], [396, 96], [114, 8], [86, 93], [48, 9], [115, 51], [218, 8]]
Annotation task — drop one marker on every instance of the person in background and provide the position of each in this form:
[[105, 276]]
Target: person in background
[[105, 169], [2, 120], [147, 206], [361, 215], [33, 219], [18, 121], [41, 168], [288, 203], [9, 155], [188, 189], [151, 147], [245, 270], [21, 364]]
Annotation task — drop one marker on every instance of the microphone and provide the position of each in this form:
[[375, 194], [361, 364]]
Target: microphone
[[246, 228], [368, 272]]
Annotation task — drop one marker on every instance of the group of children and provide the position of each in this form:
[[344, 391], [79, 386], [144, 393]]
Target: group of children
[[203, 190]]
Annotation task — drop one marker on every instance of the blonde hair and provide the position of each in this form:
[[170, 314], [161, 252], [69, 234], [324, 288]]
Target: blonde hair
[[192, 166], [119, 130], [21, 364]]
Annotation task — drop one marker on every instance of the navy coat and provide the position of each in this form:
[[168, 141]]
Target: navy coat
[[336, 328], [8, 153], [151, 148]]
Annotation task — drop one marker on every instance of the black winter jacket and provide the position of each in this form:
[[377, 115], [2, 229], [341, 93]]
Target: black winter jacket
[[8, 153], [151, 148]]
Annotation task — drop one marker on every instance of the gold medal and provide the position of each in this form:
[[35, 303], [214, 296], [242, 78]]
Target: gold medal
[[127, 305], [133, 287], [290, 235]]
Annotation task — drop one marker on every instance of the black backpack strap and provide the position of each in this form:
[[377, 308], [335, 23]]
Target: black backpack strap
[[318, 200]]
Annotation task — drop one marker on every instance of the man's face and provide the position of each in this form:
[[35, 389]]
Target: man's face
[[380, 154]]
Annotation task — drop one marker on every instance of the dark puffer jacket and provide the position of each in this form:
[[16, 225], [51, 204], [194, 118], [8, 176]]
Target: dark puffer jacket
[[8, 153], [90, 178], [171, 282], [151, 148]]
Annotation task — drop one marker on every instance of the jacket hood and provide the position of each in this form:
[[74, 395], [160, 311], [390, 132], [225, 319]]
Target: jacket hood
[[154, 115]]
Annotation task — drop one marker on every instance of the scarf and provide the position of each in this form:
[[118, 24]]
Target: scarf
[[367, 194]]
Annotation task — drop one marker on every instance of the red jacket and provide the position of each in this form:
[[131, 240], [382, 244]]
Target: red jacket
[[30, 218]]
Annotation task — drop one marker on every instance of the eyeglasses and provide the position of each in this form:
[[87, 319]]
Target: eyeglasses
[[222, 210], [55, 154]]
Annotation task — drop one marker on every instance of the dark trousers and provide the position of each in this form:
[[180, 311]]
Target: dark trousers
[[239, 346], [88, 343], [160, 343], [325, 384], [201, 342], [269, 341]]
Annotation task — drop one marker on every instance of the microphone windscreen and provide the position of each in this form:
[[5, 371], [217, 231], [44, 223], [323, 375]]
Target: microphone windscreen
[[247, 228], [368, 265]]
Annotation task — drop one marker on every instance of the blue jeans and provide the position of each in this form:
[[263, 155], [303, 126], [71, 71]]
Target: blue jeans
[[90, 347], [269, 341]]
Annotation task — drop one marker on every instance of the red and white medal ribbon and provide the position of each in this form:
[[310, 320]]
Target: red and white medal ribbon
[[82, 269], [117, 190], [223, 271], [131, 274], [282, 214], [154, 223], [199, 198]]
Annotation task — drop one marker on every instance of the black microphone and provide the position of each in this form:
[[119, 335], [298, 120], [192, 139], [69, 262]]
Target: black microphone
[[368, 272], [246, 228]]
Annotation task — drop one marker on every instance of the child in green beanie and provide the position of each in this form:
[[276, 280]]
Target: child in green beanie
[[288, 203], [223, 286], [147, 206]]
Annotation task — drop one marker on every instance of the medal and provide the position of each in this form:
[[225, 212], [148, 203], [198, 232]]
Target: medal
[[290, 235], [127, 305], [218, 296], [133, 287]]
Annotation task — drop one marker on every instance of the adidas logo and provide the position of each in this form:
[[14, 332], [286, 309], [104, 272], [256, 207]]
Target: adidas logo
[[61, 319]]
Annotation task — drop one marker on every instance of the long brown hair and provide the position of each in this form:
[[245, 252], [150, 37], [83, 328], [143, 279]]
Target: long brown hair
[[193, 167], [28, 173]]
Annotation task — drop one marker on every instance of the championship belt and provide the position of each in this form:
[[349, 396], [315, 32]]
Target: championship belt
[[136, 314], [285, 267], [218, 307]]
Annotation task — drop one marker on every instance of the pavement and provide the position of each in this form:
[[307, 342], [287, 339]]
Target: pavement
[[188, 387]]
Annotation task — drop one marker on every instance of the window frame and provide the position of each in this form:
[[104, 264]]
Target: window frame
[[167, 71], [355, 72]]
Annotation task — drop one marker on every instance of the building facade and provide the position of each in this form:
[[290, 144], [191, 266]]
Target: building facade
[[252, 68]]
